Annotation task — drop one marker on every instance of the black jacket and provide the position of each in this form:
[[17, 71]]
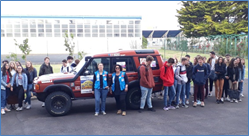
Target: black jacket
[[231, 72], [44, 69], [31, 75], [189, 69], [221, 69]]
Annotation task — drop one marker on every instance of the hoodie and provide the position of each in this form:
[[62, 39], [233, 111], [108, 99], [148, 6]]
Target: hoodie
[[181, 74], [200, 74], [168, 76]]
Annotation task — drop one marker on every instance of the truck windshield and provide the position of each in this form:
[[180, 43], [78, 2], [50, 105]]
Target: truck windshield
[[80, 65]]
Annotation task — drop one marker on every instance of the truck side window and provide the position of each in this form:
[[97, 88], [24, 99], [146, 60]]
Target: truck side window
[[126, 63], [93, 67], [154, 65]]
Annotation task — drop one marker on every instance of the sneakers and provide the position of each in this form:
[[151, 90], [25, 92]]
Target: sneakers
[[209, 94], [217, 101], [96, 114], [140, 110], [103, 112], [28, 107], [171, 108], [222, 99], [198, 102], [231, 101], [2, 111], [227, 99], [177, 106], [6, 109], [221, 102], [43, 104], [119, 112], [19, 109], [240, 100], [180, 102], [187, 102], [184, 106], [202, 104], [236, 101], [165, 108], [242, 95], [160, 97], [123, 113], [195, 104], [151, 109]]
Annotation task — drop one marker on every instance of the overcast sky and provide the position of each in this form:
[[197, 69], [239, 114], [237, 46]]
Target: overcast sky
[[160, 14]]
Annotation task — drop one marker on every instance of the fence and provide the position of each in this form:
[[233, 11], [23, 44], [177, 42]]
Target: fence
[[235, 44]]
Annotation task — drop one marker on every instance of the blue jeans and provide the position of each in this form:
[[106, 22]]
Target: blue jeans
[[28, 94], [3, 99], [171, 91], [100, 93], [241, 87], [146, 95], [180, 91], [187, 89]]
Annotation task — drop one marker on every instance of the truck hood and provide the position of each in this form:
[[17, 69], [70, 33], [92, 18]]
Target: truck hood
[[51, 77]]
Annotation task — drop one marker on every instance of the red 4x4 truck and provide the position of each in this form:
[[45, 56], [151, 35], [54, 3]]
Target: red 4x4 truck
[[58, 90]]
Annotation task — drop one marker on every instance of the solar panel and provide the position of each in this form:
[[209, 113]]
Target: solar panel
[[158, 33], [146, 34], [173, 33]]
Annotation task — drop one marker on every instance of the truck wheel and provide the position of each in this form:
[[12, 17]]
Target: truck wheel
[[58, 103], [133, 98]]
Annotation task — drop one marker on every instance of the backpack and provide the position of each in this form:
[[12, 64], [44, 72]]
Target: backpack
[[67, 69], [138, 70]]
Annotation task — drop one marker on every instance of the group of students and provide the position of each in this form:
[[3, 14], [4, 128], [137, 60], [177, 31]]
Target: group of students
[[228, 74], [18, 81]]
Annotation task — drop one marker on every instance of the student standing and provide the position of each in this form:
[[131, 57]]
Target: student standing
[[181, 76], [20, 80], [100, 88], [233, 74], [167, 75], [31, 75], [119, 86], [189, 68], [146, 84], [226, 84], [200, 76], [241, 73], [208, 68], [241, 82], [220, 71], [213, 58], [5, 86], [45, 69]]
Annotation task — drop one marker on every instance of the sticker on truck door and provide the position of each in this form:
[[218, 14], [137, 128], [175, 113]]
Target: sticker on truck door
[[86, 83]]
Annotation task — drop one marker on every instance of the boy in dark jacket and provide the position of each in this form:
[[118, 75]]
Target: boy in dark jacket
[[200, 75], [189, 67]]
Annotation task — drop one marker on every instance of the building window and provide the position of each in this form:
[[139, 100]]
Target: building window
[[131, 22], [48, 28], [102, 31], [9, 33], [137, 22], [109, 30], [94, 31], [57, 31], [40, 28], [87, 29], [116, 30], [123, 31], [2, 33], [130, 31]]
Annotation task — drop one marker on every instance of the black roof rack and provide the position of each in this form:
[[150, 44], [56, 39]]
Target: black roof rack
[[144, 51]]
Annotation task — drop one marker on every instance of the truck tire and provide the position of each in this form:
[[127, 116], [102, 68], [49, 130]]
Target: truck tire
[[133, 98], [58, 103]]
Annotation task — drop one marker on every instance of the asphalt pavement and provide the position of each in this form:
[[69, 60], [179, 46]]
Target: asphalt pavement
[[213, 119]]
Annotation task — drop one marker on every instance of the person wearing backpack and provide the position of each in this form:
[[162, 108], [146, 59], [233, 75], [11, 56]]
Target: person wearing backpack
[[181, 76], [31, 75], [146, 84], [20, 80], [167, 75]]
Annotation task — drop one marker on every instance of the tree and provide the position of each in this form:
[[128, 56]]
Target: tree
[[203, 18], [25, 48], [81, 55], [183, 46], [12, 57], [145, 43], [69, 43]]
